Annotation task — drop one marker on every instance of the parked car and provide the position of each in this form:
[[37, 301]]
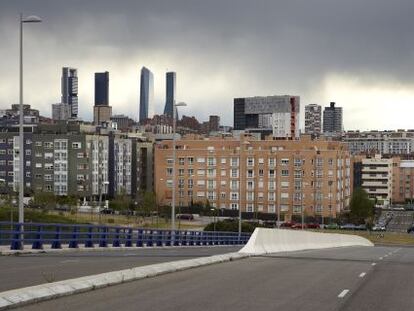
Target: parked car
[[347, 227], [361, 227], [410, 230], [313, 225], [332, 226], [287, 225], [185, 216], [298, 226], [378, 227]]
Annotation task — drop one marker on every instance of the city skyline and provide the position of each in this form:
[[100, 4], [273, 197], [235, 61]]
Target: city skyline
[[363, 71]]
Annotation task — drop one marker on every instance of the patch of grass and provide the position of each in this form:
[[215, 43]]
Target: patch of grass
[[380, 237], [32, 215]]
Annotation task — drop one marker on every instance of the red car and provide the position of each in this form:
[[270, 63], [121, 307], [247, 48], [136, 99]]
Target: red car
[[298, 226], [313, 226], [287, 225]]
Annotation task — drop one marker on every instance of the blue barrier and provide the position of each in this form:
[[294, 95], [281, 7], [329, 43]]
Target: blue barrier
[[73, 236]]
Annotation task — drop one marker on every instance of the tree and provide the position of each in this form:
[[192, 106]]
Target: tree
[[148, 203], [44, 200], [361, 206]]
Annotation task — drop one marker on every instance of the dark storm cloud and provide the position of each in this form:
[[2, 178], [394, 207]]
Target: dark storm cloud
[[254, 47]]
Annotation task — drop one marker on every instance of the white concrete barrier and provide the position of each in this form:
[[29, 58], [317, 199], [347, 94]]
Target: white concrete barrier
[[265, 241]]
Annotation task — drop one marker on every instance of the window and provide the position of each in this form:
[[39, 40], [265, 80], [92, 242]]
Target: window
[[170, 161], [2, 162], [10, 174], [272, 185], [38, 144], [250, 196], [201, 183], [181, 172], [49, 166], [250, 185], [330, 161], [10, 151], [260, 184], [211, 184], [211, 172], [284, 184], [272, 162], [2, 141], [223, 173], [284, 195], [234, 173], [76, 145], [284, 161], [48, 177], [169, 183], [211, 161], [223, 183], [38, 176], [297, 162], [223, 195], [234, 195], [234, 184], [28, 163], [250, 173], [80, 177], [201, 172], [250, 161], [297, 196], [234, 161], [10, 162], [28, 142], [200, 194], [38, 165], [234, 206], [190, 172], [249, 207], [298, 185], [271, 196], [285, 173], [271, 208], [48, 156], [297, 209], [201, 160], [261, 161], [28, 152], [298, 174], [48, 145], [319, 161], [10, 141], [181, 161], [190, 183], [223, 160], [261, 172], [190, 161], [271, 173], [3, 151]]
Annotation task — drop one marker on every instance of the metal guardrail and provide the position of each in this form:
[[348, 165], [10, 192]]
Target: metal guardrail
[[74, 236]]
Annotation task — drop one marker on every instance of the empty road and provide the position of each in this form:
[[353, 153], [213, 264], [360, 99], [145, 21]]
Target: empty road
[[33, 269], [357, 278]]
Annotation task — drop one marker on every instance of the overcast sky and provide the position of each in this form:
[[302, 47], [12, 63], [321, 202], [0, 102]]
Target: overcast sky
[[358, 53]]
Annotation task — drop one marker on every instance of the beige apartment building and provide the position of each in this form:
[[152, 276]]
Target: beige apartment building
[[256, 175]]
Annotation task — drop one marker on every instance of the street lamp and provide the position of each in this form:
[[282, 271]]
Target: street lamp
[[23, 20], [180, 104]]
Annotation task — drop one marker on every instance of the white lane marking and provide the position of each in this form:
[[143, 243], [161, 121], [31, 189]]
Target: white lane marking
[[343, 293], [386, 255], [373, 264], [69, 260], [380, 258], [362, 274]]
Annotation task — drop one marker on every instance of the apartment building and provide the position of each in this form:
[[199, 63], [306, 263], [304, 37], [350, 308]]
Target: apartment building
[[377, 178], [256, 175], [383, 142]]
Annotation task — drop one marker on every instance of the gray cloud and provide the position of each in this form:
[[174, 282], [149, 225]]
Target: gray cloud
[[220, 49]]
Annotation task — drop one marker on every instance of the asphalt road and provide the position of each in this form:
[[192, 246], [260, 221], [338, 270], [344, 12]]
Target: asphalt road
[[33, 269], [359, 278]]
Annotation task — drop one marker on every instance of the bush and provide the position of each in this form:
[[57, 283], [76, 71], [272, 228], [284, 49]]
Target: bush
[[230, 226]]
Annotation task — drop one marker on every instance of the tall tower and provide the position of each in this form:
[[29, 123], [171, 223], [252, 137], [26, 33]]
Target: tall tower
[[313, 116], [69, 87], [332, 120], [102, 112], [146, 100], [102, 88], [170, 94]]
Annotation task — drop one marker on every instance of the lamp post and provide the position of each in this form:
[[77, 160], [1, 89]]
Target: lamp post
[[180, 104], [23, 20]]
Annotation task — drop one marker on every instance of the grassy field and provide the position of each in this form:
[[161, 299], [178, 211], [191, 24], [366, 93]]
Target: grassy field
[[381, 237]]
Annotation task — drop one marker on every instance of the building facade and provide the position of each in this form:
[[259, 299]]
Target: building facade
[[332, 120], [69, 90], [276, 115], [399, 142], [313, 120], [257, 175], [146, 99]]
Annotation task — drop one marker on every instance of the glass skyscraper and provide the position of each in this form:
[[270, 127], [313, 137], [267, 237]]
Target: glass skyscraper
[[69, 89], [102, 88], [146, 94], [170, 94]]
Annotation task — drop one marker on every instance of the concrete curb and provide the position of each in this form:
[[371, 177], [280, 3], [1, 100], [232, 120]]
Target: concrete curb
[[8, 252], [24, 296]]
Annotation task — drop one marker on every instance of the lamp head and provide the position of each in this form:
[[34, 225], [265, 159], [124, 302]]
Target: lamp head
[[32, 19]]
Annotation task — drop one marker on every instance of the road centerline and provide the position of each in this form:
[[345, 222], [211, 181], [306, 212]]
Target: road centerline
[[343, 293]]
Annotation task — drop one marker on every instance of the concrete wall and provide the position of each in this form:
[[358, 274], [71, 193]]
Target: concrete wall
[[264, 241]]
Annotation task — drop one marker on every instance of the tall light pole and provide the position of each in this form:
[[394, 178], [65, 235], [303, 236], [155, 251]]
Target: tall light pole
[[181, 104], [23, 20]]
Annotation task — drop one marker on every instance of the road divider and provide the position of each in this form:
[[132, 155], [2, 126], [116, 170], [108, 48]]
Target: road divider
[[265, 241], [24, 296]]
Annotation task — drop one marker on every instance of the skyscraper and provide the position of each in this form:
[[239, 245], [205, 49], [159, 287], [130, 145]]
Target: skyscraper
[[69, 87], [146, 94], [313, 116], [170, 94], [102, 112], [102, 88], [332, 120]]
